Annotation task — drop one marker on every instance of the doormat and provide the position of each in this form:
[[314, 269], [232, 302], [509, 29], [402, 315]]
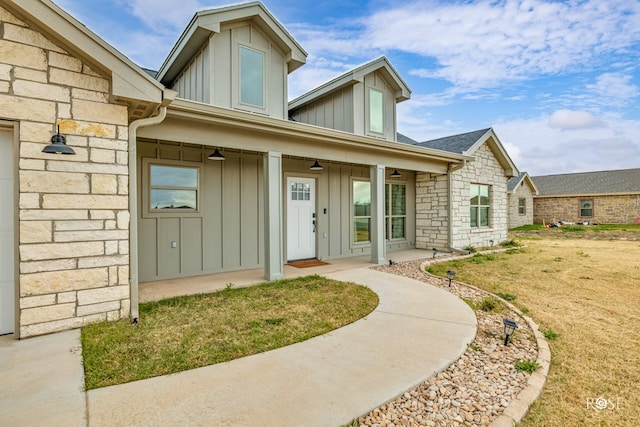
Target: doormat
[[307, 263]]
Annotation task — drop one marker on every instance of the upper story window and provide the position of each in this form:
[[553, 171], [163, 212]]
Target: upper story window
[[173, 188], [480, 203], [586, 207], [252, 76], [522, 206], [376, 111]]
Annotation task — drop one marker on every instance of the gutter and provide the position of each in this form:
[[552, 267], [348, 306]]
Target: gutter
[[450, 170], [133, 206]]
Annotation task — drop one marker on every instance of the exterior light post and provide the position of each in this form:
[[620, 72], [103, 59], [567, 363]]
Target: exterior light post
[[435, 251], [450, 274], [509, 327]]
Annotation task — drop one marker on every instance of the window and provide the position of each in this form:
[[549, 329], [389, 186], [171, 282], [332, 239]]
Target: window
[[395, 210], [586, 207], [376, 109], [300, 191], [480, 205], [361, 211], [173, 187], [522, 206], [251, 77]]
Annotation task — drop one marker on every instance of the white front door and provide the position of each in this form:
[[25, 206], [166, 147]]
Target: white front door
[[301, 218], [7, 255]]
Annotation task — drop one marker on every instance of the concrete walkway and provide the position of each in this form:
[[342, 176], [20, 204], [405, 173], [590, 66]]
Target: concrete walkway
[[416, 331]]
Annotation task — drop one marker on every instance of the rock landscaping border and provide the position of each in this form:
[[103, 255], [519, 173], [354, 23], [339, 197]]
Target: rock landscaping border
[[482, 387]]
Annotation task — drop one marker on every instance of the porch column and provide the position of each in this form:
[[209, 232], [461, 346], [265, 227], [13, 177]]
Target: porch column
[[378, 247], [273, 245]]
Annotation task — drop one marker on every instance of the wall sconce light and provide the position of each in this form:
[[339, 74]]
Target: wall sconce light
[[450, 274], [435, 251], [216, 155], [395, 174], [58, 145], [509, 327], [316, 166]]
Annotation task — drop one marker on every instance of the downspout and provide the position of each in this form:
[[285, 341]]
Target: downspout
[[450, 170], [133, 206]]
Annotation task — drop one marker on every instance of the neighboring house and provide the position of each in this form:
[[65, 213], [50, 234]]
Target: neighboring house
[[605, 197], [207, 168], [520, 193]]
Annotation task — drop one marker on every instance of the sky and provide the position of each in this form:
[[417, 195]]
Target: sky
[[559, 81]]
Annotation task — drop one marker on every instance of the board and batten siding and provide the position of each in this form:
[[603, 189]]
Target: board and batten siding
[[334, 111], [227, 233], [213, 75]]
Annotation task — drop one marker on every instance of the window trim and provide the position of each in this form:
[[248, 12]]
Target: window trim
[[580, 208], [370, 111], [524, 206], [237, 78], [478, 225], [389, 218], [353, 216], [146, 210]]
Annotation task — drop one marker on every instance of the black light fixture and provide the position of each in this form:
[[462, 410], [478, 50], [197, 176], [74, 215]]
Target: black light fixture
[[435, 251], [216, 155], [58, 145], [491, 242], [509, 327], [316, 166], [395, 174], [450, 274]]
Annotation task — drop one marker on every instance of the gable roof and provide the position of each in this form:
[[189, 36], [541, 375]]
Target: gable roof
[[514, 182], [129, 82], [468, 143], [382, 65], [207, 22], [624, 181]]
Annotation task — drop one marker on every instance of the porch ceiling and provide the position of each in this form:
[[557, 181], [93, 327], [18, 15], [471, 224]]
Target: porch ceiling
[[208, 125]]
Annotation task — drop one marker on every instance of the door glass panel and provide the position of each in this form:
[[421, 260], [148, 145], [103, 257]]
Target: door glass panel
[[362, 229]]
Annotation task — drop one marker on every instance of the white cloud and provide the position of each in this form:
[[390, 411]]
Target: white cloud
[[539, 149], [571, 120], [484, 43], [614, 88]]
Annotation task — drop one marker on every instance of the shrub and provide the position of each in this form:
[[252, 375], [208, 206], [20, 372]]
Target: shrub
[[507, 297], [549, 334], [490, 304], [471, 249], [526, 366]]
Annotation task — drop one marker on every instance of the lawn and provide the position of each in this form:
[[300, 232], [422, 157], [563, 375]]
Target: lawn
[[587, 291], [184, 333]]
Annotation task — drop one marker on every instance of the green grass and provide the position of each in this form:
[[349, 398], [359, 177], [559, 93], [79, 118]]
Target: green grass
[[188, 332]]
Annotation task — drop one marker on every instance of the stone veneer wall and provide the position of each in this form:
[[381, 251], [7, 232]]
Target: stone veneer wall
[[522, 192], [432, 211], [485, 169], [74, 218], [622, 209]]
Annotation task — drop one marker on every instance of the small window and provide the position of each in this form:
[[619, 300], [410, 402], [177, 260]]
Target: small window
[[376, 111], [361, 211], [395, 211], [586, 208], [480, 204], [300, 191], [173, 188], [522, 206], [251, 77]]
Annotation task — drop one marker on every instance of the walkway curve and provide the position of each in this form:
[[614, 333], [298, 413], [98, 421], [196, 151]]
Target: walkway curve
[[416, 331]]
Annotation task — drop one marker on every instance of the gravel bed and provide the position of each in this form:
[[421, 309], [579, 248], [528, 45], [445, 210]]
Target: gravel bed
[[476, 388]]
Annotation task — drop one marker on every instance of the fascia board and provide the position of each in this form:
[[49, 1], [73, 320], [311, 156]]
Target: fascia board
[[497, 148]]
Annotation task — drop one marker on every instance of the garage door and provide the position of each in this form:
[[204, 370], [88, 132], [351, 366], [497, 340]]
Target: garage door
[[7, 254]]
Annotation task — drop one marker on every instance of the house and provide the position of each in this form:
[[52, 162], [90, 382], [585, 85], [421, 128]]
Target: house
[[520, 193], [205, 167], [605, 197]]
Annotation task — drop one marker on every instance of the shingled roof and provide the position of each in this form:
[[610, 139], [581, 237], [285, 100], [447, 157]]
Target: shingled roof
[[405, 139], [625, 181], [455, 143], [514, 182]]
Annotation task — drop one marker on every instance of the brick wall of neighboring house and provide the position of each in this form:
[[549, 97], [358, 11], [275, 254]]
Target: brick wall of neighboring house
[[486, 170], [623, 209], [432, 211], [73, 210], [515, 218]]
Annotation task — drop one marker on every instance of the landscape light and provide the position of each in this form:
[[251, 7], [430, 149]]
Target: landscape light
[[450, 274], [509, 327]]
